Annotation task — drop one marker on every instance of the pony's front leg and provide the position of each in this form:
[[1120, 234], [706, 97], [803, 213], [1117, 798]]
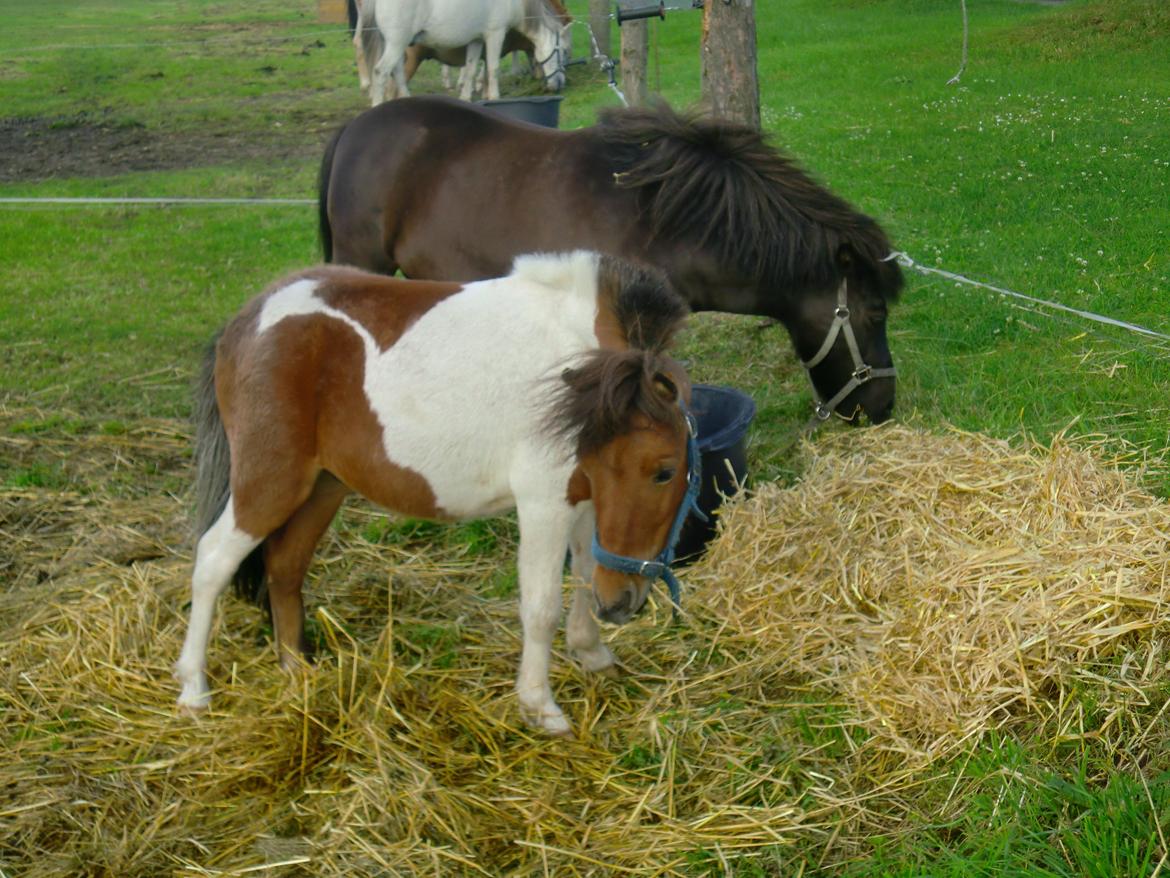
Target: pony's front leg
[[544, 536], [493, 44], [582, 633]]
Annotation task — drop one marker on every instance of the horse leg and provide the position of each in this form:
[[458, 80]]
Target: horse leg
[[219, 552], [287, 553], [390, 63], [363, 70], [544, 536], [271, 479], [493, 45], [582, 633], [467, 76]]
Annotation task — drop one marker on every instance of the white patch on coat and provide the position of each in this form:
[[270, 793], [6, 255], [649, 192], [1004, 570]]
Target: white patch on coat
[[461, 395]]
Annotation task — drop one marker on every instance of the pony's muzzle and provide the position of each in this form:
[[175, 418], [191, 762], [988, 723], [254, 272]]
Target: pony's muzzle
[[629, 600]]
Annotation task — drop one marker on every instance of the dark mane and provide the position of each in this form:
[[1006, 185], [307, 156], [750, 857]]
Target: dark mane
[[646, 307], [715, 183], [596, 400]]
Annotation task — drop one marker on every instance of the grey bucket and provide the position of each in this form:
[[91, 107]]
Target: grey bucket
[[723, 415], [539, 109]]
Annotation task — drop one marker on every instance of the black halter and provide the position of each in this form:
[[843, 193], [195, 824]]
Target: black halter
[[862, 372]]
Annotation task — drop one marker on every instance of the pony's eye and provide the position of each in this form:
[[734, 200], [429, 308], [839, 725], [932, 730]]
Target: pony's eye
[[664, 475]]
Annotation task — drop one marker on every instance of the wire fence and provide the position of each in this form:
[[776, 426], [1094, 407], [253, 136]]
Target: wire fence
[[903, 258], [607, 65]]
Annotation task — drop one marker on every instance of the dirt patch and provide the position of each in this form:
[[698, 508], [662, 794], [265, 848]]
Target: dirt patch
[[41, 148]]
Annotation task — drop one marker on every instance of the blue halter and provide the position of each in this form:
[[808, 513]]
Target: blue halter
[[659, 567]]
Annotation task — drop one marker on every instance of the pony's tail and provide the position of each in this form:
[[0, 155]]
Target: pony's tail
[[373, 43], [351, 14], [324, 229], [213, 463]]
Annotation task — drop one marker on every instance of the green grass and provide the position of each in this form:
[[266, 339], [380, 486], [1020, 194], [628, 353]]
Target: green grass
[[1045, 170]]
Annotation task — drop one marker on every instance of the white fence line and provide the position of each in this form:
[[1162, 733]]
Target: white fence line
[[264, 202], [904, 259]]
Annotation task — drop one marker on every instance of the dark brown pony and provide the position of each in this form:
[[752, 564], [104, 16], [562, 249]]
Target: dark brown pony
[[443, 190]]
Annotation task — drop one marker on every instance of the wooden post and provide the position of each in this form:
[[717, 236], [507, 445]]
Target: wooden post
[[599, 22], [730, 81], [331, 11], [635, 48]]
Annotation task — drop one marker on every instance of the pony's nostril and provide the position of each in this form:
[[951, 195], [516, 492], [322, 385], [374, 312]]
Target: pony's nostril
[[621, 609]]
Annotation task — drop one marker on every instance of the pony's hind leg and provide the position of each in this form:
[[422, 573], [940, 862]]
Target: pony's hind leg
[[219, 552], [390, 65], [359, 51], [287, 553], [582, 633]]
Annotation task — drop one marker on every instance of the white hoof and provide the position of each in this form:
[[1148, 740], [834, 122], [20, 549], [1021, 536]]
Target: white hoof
[[598, 659], [192, 700], [196, 695], [552, 724], [548, 718]]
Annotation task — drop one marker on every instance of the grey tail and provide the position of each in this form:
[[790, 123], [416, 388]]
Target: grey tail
[[213, 476]]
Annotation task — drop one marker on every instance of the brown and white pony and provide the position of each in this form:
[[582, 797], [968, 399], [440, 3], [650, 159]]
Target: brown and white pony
[[548, 391]]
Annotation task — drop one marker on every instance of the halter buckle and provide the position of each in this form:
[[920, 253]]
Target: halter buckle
[[842, 312], [863, 373], [823, 412]]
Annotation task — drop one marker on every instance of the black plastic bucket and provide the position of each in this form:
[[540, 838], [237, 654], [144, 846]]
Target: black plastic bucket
[[539, 109], [723, 415]]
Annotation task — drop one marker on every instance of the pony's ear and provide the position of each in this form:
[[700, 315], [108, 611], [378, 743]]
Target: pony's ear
[[874, 262], [665, 387], [845, 256]]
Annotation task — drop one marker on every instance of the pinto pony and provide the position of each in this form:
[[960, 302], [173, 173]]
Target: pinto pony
[[445, 190], [548, 390]]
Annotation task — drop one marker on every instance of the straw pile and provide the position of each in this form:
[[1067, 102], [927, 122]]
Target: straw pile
[[886, 603], [946, 584]]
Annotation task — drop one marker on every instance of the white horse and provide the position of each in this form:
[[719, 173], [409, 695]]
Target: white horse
[[387, 27]]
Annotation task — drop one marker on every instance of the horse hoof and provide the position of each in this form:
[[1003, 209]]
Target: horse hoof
[[194, 697], [193, 705], [597, 660], [553, 724], [556, 726]]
